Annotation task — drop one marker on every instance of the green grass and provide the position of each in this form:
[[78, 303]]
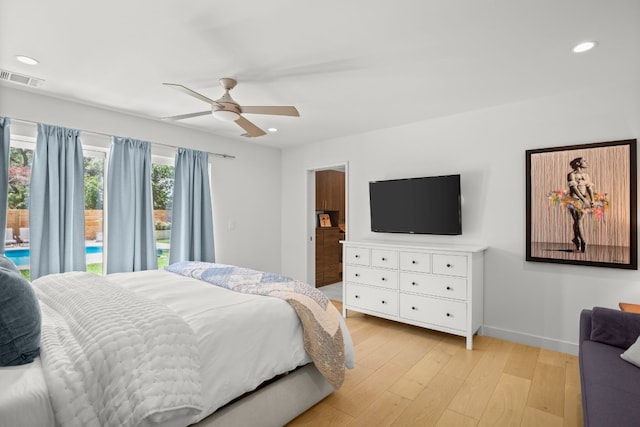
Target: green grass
[[163, 259], [91, 268], [95, 268]]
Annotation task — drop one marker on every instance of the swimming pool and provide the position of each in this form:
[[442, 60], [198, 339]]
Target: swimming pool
[[20, 256]]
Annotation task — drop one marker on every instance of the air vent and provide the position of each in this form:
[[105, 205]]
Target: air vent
[[20, 78]]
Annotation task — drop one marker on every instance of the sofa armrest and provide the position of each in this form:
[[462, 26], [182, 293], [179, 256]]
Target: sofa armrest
[[585, 325]]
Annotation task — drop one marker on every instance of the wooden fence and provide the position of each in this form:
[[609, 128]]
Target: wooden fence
[[93, 221]]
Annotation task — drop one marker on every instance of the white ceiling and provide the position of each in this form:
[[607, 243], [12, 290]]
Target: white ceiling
[[349, 66]]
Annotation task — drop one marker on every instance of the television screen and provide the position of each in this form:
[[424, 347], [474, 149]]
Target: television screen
[[428, 205]]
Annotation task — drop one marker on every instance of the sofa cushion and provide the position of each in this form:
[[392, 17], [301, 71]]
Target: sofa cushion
[[20, 318], [632, 355], [610, 386], [614, 327]]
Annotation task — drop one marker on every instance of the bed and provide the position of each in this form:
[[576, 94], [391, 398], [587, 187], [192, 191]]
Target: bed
[[253, 367]]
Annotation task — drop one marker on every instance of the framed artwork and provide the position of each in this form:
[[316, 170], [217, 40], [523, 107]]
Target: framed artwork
[[581, 205], [325, 221]]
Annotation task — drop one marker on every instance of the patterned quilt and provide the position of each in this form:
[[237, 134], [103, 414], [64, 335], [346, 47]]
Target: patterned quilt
[[323, 337]]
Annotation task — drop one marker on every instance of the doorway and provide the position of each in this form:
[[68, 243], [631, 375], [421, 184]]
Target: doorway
[[327, 223]]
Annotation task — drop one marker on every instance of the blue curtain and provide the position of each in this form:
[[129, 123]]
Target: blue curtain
[[192, 219], [130, 238], [56, 207], [5, 124]]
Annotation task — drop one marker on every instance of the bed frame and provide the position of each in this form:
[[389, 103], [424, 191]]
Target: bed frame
[[275, 404]]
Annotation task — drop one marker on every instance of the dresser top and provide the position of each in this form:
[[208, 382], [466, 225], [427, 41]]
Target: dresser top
[[411, 245]]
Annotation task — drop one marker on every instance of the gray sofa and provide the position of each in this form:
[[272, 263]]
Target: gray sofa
[[610, 385]]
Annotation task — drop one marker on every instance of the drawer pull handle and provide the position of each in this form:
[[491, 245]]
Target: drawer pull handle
[[448, 314], [357, 296], [384, 302], [414, 262], [357, 274], [448, 288], [413, 308], [414, 283], [384, 278], [384, 259], [449, 265], [357, 256]]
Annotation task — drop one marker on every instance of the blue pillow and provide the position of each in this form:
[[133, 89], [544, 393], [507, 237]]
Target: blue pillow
[[20, 317]]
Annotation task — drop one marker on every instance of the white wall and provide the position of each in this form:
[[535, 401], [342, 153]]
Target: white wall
[[246, 190], [532, 303]]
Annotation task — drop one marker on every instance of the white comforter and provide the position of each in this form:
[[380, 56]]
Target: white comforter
[[113, 358], [243, 340]]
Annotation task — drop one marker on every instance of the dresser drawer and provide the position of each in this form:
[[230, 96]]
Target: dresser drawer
[[384, 258], [429, 284], [450, 265], [449, 314], [415, 261], [358, 256], [372, 276], [374, 299]]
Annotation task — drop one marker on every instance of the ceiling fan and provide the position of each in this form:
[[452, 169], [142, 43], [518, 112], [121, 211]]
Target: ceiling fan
[[228, 110]]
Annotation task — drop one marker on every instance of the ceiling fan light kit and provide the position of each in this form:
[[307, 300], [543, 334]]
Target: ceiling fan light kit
[[225, 115], [228, 110]]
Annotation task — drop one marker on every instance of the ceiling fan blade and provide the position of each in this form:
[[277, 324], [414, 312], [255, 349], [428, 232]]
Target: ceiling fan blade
[[188, 116], [276, 111], [193, 93], [251, 129]]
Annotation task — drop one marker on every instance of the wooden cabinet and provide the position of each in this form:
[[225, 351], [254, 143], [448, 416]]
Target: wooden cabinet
[[330, 193], [437, 287], [330, 199], [328, 255]]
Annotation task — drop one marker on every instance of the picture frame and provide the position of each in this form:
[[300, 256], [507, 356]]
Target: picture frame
[[581, 204], [325, 220]]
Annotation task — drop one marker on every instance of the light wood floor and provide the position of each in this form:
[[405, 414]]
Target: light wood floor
[[409, 376]]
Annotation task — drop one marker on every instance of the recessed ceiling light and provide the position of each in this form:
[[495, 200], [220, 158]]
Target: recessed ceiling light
[[27, 60], [272, 130], [584, 46]]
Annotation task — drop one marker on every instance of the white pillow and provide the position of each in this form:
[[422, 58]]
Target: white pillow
[[632, 355]]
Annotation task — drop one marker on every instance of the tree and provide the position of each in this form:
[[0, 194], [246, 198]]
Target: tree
[[162, 186], [19, 177], [92, 192], [93, 179]]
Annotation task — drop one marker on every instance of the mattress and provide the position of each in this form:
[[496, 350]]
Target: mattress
[[243, 340], [24, 398]]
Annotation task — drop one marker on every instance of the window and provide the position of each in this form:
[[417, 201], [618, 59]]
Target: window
[[162, 175], [21, 157], [20, 160], [93, 209]]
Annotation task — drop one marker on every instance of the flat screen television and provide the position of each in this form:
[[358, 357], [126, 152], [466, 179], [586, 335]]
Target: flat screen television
[[428, 205]]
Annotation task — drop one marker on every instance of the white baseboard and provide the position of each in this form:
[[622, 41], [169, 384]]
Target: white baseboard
[[532, 340]]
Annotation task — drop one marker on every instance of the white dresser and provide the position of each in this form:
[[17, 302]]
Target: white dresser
[[434, 286]]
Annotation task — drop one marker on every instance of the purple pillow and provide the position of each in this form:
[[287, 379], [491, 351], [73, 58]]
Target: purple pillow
[[614, 327]]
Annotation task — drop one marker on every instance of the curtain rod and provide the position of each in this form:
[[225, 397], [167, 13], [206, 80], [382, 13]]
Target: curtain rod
[[223, 155]]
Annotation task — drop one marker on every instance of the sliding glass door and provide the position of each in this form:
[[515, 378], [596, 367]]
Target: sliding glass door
[[162, 176], [94, 176]]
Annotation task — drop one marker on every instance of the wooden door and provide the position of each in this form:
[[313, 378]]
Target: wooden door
[[328, 254]]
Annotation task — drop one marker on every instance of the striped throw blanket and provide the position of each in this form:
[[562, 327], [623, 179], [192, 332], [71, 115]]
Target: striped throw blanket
[[323, 338]]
